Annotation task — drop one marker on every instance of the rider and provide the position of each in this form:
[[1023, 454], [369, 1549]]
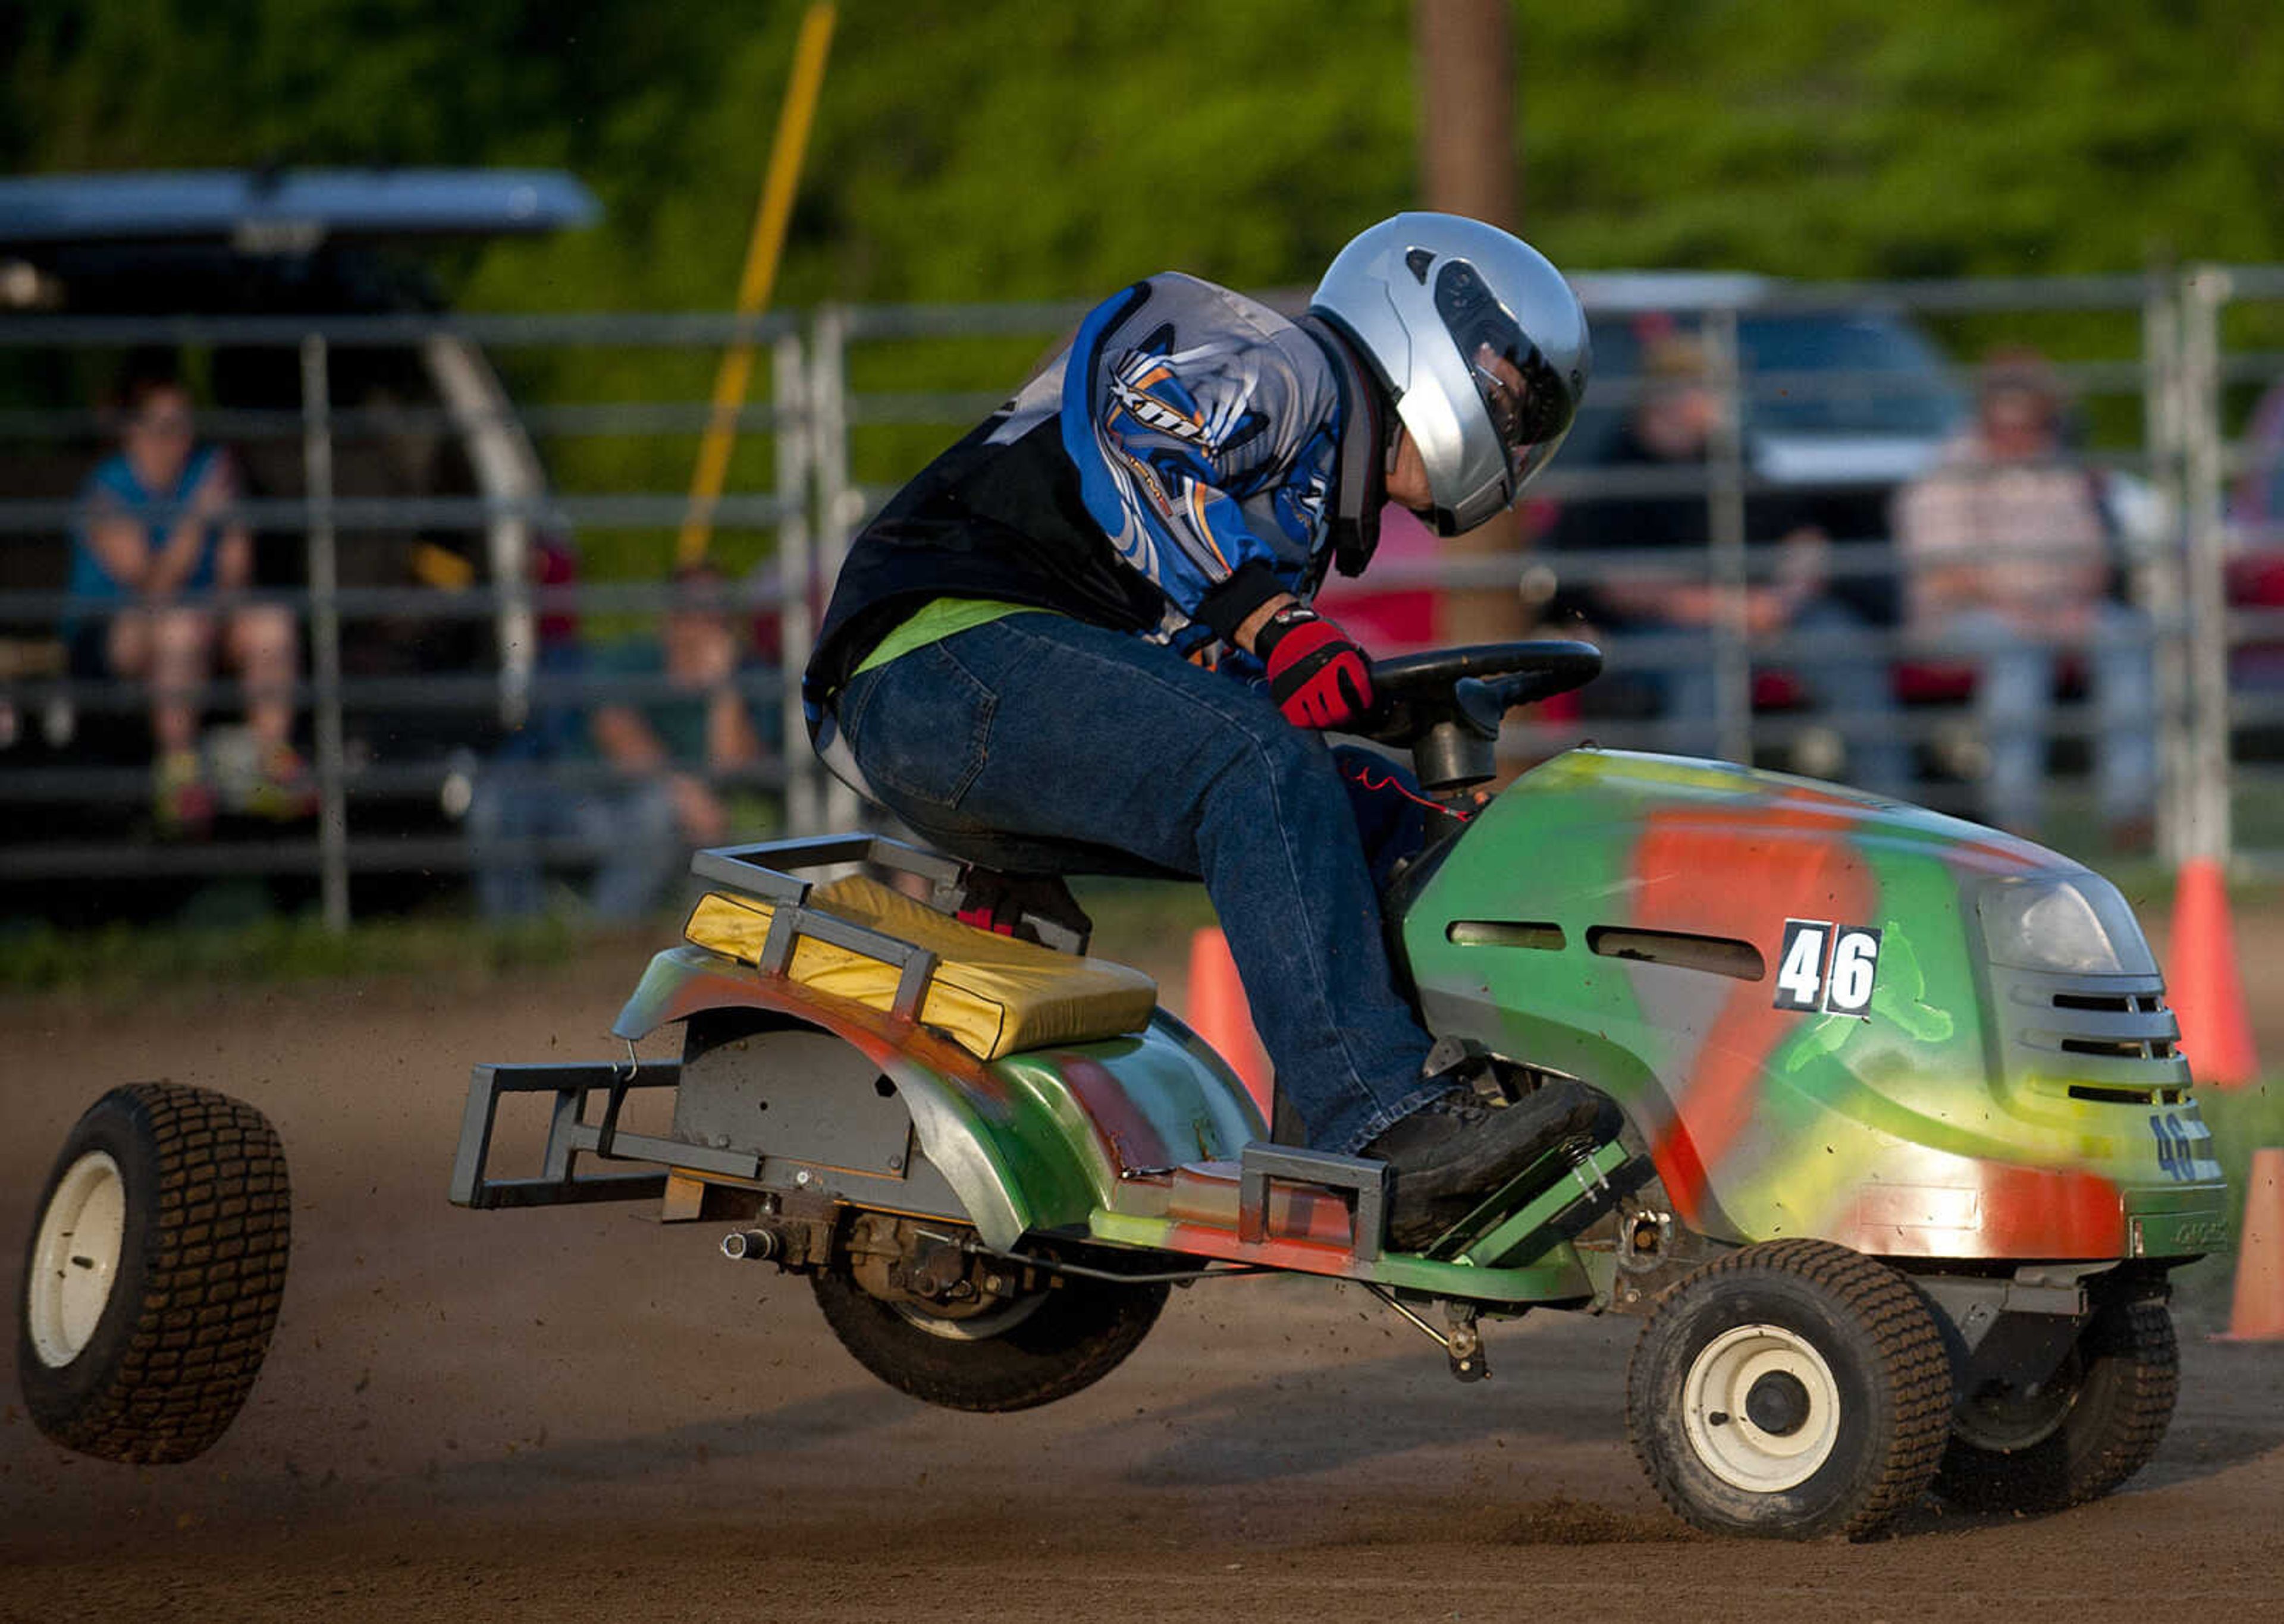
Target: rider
[[1027, 657]]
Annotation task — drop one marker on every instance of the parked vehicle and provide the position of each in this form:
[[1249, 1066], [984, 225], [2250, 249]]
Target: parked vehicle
[[425, 421]]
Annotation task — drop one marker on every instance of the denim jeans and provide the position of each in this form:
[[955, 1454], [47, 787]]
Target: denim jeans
[[1043, 745], [1844, 681], [2014, 701], [631, 831]]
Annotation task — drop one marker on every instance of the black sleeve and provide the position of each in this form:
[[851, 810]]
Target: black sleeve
[[1231, 601]]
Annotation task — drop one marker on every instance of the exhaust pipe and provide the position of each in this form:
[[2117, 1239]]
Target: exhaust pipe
[[754, 1246]]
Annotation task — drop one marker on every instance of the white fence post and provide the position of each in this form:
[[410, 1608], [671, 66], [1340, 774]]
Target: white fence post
[[1725, 495], [2204, 291], [789, 395], [2159, 582], [325, 633], [839, 503]]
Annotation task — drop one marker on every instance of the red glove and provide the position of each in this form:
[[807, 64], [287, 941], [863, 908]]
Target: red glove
[[1319, 678]]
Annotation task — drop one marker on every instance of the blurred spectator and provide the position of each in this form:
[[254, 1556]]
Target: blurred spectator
[[675, 728], [1670, 433], [2255, 512], [2007, 550], [162, 563], [2257, 503]]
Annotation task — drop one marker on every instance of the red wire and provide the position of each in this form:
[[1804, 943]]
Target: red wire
[[1362, 776]]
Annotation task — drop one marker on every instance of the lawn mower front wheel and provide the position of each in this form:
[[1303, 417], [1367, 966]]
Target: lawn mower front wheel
[[2086, 1429], [1790, 1390]]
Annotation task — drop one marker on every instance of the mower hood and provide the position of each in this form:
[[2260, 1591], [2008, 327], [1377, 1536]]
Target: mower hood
[[1826, 1014]]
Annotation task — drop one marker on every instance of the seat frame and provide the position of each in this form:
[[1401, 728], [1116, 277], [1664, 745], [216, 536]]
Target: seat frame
[[770, 871]]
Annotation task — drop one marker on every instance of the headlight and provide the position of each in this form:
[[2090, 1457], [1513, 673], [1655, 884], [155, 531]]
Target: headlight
[[2075, 926]]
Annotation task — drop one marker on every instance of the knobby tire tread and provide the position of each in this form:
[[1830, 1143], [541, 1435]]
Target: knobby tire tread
[[214, 1257], [2138, 1336], [1908, 1346], [1083, 1332]]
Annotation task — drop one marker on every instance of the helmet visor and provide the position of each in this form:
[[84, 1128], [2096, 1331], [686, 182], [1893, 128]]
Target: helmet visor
[[1528, 404]]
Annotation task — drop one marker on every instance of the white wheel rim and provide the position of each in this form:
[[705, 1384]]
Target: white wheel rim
[[1715, 1399], [75, 1259]]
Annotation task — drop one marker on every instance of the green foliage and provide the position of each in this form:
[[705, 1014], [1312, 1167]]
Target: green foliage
[[997, 149], [982, 151], [1855, 138]]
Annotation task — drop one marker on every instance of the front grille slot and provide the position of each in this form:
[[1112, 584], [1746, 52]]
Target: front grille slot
[[2112, 1004], [2117, 1048], [2093, 1001], [2120, 1029], [2143, 1098], [2100, 1033]]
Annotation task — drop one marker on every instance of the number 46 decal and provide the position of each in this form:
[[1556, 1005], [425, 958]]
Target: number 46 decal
[[1826, 966]]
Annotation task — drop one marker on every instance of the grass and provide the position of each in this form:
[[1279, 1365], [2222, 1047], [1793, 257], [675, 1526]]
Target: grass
[[1139, 920], [122, 961], [2243, 1121], [1145, 922]]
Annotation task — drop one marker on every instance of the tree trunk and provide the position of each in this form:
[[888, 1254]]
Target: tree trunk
[[1465, 55]]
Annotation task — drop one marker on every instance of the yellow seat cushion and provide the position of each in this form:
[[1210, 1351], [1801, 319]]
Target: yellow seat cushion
[[994, 994]]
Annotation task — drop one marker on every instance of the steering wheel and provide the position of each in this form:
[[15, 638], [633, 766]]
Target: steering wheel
[[1445, 705]]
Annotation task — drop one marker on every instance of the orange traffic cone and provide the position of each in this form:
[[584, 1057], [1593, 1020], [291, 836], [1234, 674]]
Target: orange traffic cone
[[1219, 1014], [2258, 1314], [2204, 983]]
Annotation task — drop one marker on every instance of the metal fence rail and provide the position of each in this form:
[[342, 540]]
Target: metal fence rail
[[72, 811], [2150, 458], [2150, 354]]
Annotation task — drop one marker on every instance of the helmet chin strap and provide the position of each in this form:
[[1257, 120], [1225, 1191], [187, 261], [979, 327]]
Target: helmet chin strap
[[1359, 489]]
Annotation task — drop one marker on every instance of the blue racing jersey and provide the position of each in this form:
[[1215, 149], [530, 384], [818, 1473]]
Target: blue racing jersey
[[1189, 455]]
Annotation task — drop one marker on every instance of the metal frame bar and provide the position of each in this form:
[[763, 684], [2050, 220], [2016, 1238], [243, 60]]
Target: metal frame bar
[[570, 1135], [798, 598], [325, 636], [1726, 538], [1519, 1234], [1357, 1177], [737, 866], [765, 868]]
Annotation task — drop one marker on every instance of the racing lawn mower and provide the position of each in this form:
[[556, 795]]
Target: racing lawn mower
[[1898, 1148]]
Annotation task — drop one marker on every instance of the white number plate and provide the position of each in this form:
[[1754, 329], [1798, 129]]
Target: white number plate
[[1828, 967]]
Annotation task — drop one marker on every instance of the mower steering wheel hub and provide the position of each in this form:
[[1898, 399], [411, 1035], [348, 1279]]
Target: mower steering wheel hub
[[1445, 705]]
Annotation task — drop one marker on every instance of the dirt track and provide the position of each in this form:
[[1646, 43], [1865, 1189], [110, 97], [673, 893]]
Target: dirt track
[[576, 1414]]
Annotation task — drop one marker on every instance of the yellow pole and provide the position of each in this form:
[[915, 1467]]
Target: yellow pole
[[763, 251]]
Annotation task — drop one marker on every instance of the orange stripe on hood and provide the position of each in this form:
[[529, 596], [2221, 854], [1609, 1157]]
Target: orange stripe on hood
[[1739, 875]]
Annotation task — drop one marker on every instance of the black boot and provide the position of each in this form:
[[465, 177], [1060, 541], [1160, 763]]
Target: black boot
[[1459, 1147]]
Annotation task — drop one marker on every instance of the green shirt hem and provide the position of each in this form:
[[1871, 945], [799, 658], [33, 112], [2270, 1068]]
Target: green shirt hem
[[934, 620]]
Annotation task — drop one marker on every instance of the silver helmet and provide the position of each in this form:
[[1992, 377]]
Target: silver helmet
[[1479, 341]]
